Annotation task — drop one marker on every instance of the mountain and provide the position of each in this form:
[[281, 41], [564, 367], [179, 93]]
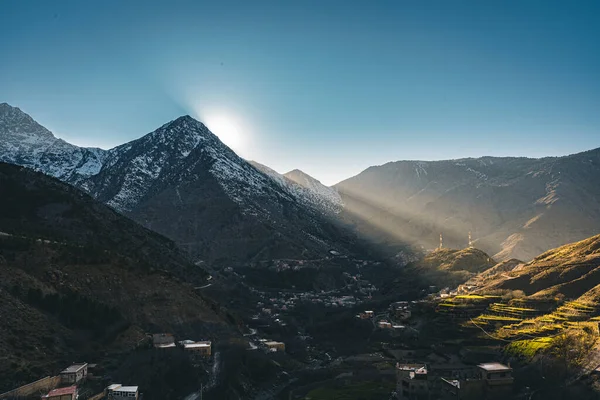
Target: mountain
[[183, 182], [514, 207], [306, 188], [25, 142], [80, 281], [325, 192]]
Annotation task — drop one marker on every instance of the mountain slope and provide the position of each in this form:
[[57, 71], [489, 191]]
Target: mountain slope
[[515, 207], [25, 142], [529, 305], [183, 182], [78, 279], [451, 267], [306, 188], [570, 270]]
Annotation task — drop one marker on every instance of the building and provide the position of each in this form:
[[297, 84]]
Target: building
[[275, 346], [163, 340], [497, 380], [412, 382], [202, 348], [117, 391], [74, 374], [366, 314], [65, 393], [384, 325]]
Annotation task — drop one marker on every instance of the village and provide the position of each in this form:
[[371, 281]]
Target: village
[[418, 368], [78, 380]]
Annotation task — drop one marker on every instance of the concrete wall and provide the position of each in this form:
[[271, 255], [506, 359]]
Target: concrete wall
[[44, 385]]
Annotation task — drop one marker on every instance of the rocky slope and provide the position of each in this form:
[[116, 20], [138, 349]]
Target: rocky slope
[[515, 207], [25, 142], [78, 279]]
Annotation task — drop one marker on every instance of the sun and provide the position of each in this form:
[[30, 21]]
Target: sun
[[226, 129]]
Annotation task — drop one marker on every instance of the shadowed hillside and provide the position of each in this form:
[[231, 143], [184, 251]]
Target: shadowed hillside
[[77, 280]]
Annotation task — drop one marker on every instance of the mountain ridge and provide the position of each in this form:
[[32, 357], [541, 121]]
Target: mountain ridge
[[183, 182], [512, 205]]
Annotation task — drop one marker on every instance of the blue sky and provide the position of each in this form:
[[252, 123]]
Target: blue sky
[[330, 87]]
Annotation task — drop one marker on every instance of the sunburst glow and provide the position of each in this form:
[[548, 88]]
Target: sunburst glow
[[227, 130]]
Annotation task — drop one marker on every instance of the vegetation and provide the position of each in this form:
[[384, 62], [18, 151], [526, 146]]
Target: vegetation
[[528, 348], [450, 267]]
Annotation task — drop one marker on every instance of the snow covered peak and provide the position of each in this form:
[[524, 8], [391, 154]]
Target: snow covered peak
[[329, 194], [15, 122], [302, 178], [25, 142], [305, 188]]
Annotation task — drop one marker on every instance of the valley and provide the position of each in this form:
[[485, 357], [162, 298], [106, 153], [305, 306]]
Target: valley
[[406, 281]]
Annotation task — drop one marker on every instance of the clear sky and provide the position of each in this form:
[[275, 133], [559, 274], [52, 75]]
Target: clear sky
[[329, 87]]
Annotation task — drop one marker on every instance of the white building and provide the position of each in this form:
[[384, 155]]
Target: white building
[[119, 392]]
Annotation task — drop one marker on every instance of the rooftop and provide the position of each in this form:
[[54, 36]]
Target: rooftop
[[164, 345], [131, 389], [272, 343], [117, 387], [196, 345], [74, 368], [409, 367], [62, 391], [494, 367]]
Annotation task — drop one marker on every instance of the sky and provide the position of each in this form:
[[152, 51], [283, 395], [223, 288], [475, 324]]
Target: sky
[[329, 87]]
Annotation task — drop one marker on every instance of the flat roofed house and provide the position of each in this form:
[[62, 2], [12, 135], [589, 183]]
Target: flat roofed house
[[65, 393], [275, 346], [495, 371], [497, 378], [74, 373], [120, 392], [202, 348]]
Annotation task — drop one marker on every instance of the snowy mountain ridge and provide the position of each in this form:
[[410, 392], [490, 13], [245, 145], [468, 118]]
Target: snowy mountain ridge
[[306, 188], [25, 142], [144, 161]]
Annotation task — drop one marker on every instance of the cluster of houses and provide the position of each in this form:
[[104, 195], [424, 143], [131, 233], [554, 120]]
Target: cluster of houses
[[72, 377], [197, 349], [398, 313], [490, 381]]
